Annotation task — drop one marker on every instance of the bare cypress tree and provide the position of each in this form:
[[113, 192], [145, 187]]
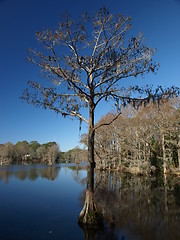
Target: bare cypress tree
[[83, 63]]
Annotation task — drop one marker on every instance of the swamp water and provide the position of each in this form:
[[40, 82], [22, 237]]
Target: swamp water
[[42, 202]]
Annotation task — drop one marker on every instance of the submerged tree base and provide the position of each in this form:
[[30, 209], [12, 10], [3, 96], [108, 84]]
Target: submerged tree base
[[89, 215]]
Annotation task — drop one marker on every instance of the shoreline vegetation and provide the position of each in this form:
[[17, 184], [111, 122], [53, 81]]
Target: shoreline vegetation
[[33, 152], [143, 142]]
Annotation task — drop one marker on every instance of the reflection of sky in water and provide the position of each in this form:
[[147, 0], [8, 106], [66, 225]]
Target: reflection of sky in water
[[40, 209], [43, 202]]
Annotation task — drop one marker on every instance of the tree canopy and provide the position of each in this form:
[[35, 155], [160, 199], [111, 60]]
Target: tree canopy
[[86, 59]]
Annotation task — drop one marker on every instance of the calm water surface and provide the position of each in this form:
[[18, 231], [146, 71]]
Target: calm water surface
[[41, 202]]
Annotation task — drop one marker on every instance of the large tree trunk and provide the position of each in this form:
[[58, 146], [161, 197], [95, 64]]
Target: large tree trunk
[[89, 215], [179, 150]]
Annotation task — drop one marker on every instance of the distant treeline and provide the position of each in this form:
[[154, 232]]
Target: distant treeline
[[75, 155], [34, 152], [46, 153]]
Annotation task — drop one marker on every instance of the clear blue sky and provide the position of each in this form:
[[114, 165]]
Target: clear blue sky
[[159, 20]]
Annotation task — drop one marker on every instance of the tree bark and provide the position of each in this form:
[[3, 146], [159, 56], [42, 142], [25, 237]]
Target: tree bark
[[89, 215], [179, 150]]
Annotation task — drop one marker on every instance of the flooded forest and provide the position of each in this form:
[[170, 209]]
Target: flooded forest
[[142, 141]]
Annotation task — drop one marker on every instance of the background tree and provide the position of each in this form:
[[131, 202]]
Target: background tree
[[33, 146], [75, 155], [21, 149], [134, 142], [6, 153], [83, 63], [51, 154]]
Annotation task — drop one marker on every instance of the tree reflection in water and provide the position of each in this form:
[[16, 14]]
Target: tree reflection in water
[[136, 207], [100, 233], [29, 172], [132, 207]]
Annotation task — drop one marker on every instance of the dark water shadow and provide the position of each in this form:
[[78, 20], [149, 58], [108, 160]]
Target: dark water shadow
[[104, 233], [136, 207]]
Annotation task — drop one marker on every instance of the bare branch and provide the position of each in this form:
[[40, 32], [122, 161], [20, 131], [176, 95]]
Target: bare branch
[[109, 123]]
